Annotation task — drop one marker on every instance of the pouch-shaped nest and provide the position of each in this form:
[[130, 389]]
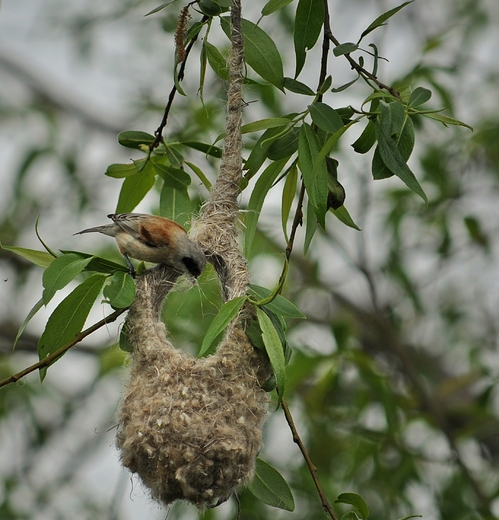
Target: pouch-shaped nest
[[190, 428]]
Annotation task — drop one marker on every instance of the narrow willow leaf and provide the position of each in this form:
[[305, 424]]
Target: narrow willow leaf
[[366, 139], [120, 171], [395, 162], [135, 188], [269, 487], [97, 264], [207, 149], [273, 347], [346, 85], [345, 48], [203, 61], [135, 138], [217, 62], [284, 146], [60, 272], [298, 87], [356, 501], [260, 52], [310, 227], [202, 177], [288, 195], [308, 24], [331, 143], [314, 173], [68, 318], [120, 290], [175, 158], [227, 313], [343, 215], [325, 117], [382, 19], [174, 177], [160, 7], [38, 305], [274, 5], [446, 120], [419, 96], [259, 153], [263, 124], [279, 305], [175, 204], [262, 187], [39, 258]]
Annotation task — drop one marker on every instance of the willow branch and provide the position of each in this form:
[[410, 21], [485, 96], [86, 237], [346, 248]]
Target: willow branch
[[46, 362]]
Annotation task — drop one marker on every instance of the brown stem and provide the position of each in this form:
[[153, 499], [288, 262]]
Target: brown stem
[[326, 506], [46, 362]]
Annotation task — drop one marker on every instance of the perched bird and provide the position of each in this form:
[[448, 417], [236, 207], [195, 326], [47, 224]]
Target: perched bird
[[153, 239]]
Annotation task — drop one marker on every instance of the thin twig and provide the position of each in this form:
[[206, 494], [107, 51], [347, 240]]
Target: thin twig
[[361, 70], [46, 362], [159, 132], [326, 506]]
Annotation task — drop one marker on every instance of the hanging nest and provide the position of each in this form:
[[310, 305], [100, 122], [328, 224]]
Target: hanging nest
[[191, 428]]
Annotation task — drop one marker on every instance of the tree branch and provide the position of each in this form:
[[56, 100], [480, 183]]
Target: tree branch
[[46, 362]]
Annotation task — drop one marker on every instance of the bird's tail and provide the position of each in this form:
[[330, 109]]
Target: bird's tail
[[109, 230]]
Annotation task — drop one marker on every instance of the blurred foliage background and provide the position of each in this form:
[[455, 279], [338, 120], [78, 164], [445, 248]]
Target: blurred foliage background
[[393, 379]]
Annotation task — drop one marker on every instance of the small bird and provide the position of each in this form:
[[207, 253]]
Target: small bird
[[153, 239]]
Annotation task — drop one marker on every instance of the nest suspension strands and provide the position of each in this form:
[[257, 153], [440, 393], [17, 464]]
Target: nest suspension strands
[[191, 428]]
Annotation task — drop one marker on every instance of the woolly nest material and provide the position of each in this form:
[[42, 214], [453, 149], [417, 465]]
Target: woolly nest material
[[190, 428]]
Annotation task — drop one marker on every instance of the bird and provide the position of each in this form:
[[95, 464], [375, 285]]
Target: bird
[[153, 239]]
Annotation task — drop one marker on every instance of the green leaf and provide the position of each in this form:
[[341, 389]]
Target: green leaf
[[288, 195], [298, 87], [124, 341], [120, 290], [160, 7], [135, 188], [419, 96], [382, 19], [346, 85], [98, 264], [308, 24], [343, 216], [68, 318], [38, 305], [263, 124], [445, 120], [227, 313], [120, 171], [273, 347], [366, 139], [175, 204], [174, 177], [279, 305], [269, 487], [260, 52], [325, 117], [207, 149], [315, 178], [202, 177], [262, 186], [284, 146], [135, 138], [356, 501], [217, 62], [39, 258], [60, 272], [311, 227], [396, 163], [259, 153], [345, 48], [175, 158], [274, 5]]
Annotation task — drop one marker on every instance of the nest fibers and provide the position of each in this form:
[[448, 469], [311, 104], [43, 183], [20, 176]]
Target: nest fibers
[[190, 428]]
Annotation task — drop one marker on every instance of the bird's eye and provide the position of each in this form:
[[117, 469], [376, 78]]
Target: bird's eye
[[191, 265]]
